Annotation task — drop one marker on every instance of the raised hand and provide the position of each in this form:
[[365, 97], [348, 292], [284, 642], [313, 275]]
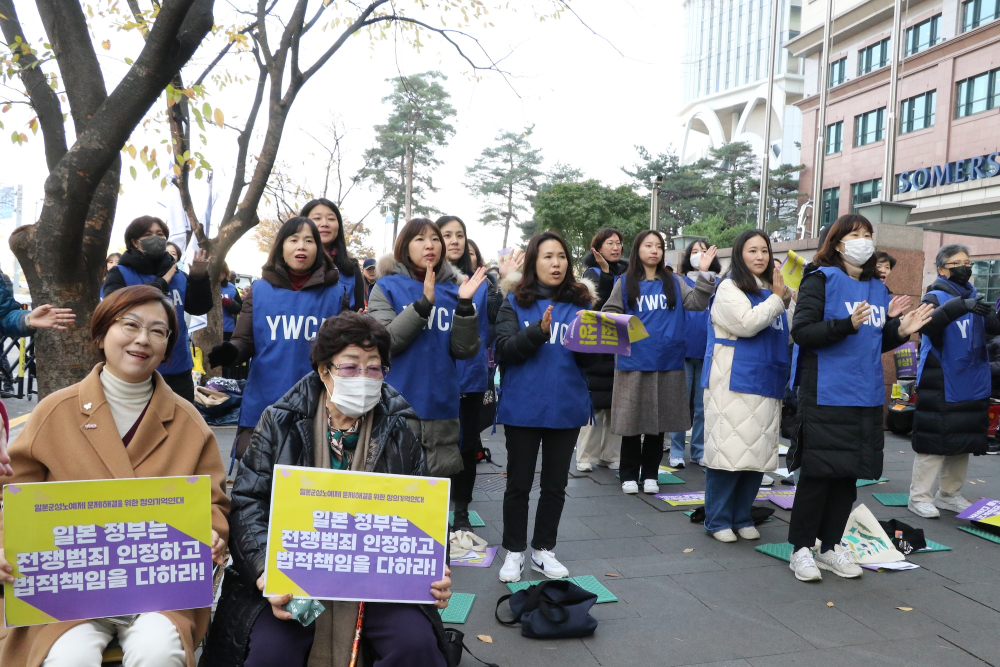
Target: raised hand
[[899, 305], [547, 320], [601, 262], [50, 317], [429, 284], [914, 320], [511, 262], [860, 314], [707, 258], [199, 265], [468, 289], [778, 284]]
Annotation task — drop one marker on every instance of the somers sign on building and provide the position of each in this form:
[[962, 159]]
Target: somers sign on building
[[959, 171]]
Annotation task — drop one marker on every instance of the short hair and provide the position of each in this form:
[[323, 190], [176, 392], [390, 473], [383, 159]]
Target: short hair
[[140, 226], [412, 229], [603, 235], [120, 302], [180, 252], [947, 252], [828, 255], [883, 256], [349, 328]]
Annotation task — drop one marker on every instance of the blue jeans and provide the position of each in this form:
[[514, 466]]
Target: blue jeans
[[696, 395], [729, 496]]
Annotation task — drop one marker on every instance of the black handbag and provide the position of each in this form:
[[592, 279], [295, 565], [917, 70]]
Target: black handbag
[[454, 644], [904, 537], [551, 610]]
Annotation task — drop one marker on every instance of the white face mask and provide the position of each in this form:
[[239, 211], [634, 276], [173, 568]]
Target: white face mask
[[354, 396], [695, 260], [858, 251]]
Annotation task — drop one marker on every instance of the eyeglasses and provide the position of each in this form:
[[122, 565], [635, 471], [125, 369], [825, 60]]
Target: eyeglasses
[[955, 265], [354, 370], [158, 333]]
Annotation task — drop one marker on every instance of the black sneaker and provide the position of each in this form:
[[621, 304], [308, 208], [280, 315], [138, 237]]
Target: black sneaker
[[994, 448], [461, 521]]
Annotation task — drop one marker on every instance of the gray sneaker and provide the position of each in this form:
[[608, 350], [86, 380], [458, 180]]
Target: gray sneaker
[[956, 504], [841, 563], [804, 566]]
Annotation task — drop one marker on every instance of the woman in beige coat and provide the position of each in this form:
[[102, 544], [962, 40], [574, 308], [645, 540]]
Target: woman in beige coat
[[122, 421], [747, 370]]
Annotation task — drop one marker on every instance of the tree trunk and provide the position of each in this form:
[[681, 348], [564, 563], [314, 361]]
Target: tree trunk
[[207, 338]]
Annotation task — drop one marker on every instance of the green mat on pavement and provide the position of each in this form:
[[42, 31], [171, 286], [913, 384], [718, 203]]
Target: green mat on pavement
[[587, 582], [933, 546], [979, 532], [474, 519], [892, 499], [779, 550], [665, 478], [869, 482], [458, 609]]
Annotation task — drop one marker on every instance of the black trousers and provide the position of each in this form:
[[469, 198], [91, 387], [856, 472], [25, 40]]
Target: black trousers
[[522, 451], [822, 507], [641, 460], [468, 417], [182, 384]]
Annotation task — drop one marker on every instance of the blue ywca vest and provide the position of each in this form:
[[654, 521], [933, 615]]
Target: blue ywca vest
[[760, 363], [228, 321], [473, 374], [664, 349], [548, 390], [696, 326], [850, 371], [284, 324], [180, 360], [348, 283], [963, 355], [425, 373]]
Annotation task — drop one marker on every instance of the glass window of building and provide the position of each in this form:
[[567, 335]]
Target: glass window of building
[[923, 35], [873, 57], [831, 206], [978, 93], [869, 127], [977, 12], [864, 192], [986, 278], [834, 137], [838, 72], [916, 113]]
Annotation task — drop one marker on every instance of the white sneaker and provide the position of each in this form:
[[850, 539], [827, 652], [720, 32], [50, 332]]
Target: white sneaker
[[613, 465], [585, 467], [677, 463], [544, 561], [749, 533], [702, 463], [841, 563], [955, 504], [726, 535], [513, 565], [767, 481], [650, 486], [804, 566], [666, 444], [630, 487], [925, 510]]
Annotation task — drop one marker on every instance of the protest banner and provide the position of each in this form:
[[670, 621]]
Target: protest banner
[[677, 499], [985, 510], [604, 333], [906, 360], [793, 269], [107, 548], [343, 535]]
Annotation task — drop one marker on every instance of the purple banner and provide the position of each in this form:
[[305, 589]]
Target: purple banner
[[604, 333], [675, 499], [982, 509], [906, 360], [783, 498]]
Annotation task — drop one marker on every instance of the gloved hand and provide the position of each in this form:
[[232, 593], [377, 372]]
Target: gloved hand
[[226, 301], [224, 354], [977, 306]]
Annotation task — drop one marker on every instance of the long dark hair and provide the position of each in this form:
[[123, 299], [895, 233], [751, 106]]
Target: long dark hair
[[686, 266], [291, 226], [464, 263], [570, 290], [637, 271], [341, 258], [415, 227], [738, 269], [828, 254], [474, 249]]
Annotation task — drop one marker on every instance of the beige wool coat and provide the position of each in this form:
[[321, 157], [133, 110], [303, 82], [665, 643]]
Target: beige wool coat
[[741, 430], [171, 440]]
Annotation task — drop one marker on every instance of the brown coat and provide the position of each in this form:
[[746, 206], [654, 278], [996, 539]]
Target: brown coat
[[171, 440]]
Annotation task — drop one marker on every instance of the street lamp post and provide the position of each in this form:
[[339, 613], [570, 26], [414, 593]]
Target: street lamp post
[[888, 177], [824, 72], [765, 168], [654, 204]]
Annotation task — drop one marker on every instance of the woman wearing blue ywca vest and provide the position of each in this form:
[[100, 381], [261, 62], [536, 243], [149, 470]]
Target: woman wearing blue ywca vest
[[650, 392], [843, 323], [428, 311], [298, 289], [543, 398], [746, 371], [953, 381], [147, 262]]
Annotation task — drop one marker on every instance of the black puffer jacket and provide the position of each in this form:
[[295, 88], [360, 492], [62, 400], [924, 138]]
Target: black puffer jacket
[[197, 296], [601, 375], [993, 349], [284, 436], [832, 441], [940, 427]]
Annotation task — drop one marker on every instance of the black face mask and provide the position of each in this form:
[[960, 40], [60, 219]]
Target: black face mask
[[961, 274], [153, 247]]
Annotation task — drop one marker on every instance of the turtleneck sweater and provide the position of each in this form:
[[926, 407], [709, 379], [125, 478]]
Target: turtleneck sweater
[[126, 399]]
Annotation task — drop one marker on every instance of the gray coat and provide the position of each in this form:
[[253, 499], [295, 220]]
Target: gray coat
[[438, 437]]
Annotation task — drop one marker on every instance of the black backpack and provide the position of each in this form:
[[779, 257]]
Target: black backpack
[[551, 610]]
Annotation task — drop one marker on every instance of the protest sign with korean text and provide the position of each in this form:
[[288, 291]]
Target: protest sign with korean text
[[343, 535], [107, 548], [605, 333]]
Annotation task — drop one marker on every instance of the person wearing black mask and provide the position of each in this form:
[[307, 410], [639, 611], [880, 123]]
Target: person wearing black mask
[[147, 262], [953, 386]]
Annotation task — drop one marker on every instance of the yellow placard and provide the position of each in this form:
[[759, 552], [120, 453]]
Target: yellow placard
[[793, 269]]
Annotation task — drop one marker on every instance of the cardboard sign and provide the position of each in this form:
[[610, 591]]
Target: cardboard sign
[[604, 333], [342, 535], [107, 548]]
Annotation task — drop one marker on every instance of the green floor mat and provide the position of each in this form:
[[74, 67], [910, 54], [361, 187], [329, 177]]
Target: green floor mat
[[665, 478], [587, 582], [892, 499], [779, 550], [474, 519], [869, 482], [459, 606], [979, 532], [933, 546]]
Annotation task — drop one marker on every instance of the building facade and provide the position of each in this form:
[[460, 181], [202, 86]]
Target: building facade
[[725, 77]]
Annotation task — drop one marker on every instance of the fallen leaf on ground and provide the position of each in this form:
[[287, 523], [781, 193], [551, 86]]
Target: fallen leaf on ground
[[612, 574], [829, 604], [981, 480], [901, 451], [971, 482], [905, 608], [486, 639], [687, 551]]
